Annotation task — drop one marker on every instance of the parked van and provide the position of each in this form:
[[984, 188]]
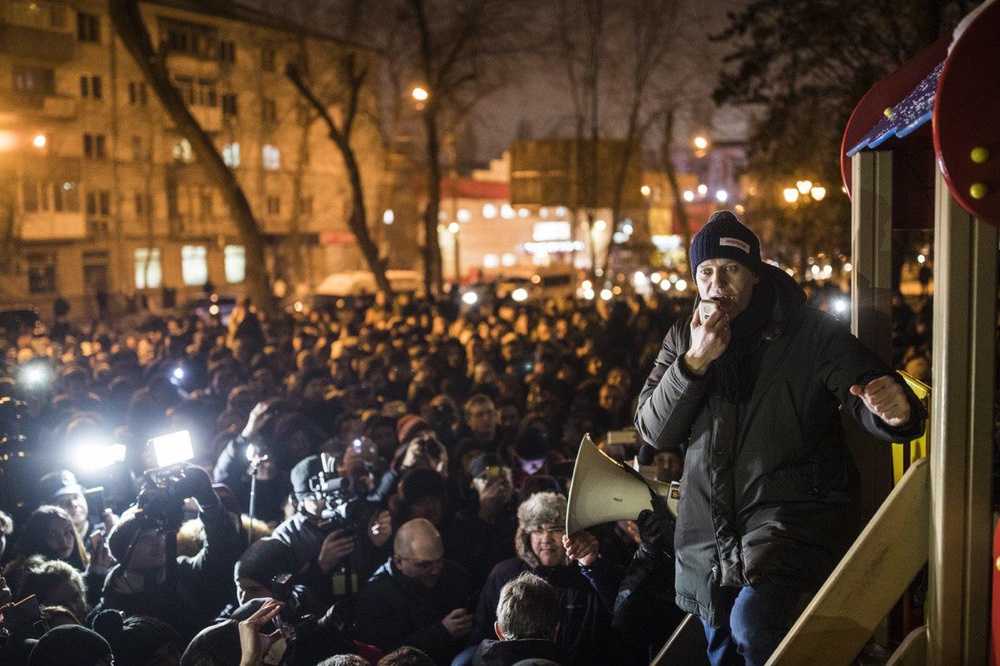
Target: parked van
[[537, 283], [362, 283]]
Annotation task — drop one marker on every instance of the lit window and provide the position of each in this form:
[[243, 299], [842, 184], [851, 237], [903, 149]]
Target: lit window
[[235, 259], [491, 261], [148, 274], [182, 151], [271, 156], [231, 154], [194, 265], [489, 211], [506, 212], [464, 215]]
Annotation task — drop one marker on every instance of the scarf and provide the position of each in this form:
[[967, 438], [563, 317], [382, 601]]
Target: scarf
[[735, 370]]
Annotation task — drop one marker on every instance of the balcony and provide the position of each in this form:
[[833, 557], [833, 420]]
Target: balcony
[[53, 46], [47, 106], [46, 226]]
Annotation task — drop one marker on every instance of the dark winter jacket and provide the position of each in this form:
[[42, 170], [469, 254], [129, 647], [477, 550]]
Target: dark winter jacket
[[768, 483], [587, 597], [305, 540], [507, 653], [202, 584], [394, 610]]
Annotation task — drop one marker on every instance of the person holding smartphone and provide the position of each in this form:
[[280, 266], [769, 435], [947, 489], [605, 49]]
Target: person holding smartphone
[[751, 396]]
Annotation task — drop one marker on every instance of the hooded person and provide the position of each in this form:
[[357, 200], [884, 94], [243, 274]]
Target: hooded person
[[751, 396], [586, 584]]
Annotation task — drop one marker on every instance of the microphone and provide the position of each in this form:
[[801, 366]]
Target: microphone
[[646, 455]]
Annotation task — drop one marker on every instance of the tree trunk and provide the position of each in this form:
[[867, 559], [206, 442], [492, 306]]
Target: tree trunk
[[679, 211], [358, 221], [433, 278], [127, 20]]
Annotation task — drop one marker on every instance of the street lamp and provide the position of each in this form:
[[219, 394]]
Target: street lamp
[[803, 193], [420, 96]]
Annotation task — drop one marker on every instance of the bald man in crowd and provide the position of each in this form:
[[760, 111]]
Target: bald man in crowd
[[417, 597]]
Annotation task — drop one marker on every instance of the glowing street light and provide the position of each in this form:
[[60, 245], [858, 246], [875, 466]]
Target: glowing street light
[[39, 141], [645, 189], [420, 97], [804, 186], [817, 192], [700, 142], [791, 194]]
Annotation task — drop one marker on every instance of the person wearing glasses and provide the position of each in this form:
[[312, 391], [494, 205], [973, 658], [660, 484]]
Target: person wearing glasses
[[417, 598], [586, 584]]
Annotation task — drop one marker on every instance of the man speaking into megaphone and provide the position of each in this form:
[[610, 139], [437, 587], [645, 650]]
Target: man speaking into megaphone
[[751, 394]]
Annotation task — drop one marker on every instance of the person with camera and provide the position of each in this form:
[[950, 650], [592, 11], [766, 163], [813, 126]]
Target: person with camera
[[417, 598], [186, 593], [482, 534], [750, 388], [336, 537], [63, 490]]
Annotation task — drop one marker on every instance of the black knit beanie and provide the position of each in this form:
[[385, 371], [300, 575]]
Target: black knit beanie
[[69, 645], [724, 237], [136, 639]]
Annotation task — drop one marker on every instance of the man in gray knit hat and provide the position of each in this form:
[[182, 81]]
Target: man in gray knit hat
[[749, 390]]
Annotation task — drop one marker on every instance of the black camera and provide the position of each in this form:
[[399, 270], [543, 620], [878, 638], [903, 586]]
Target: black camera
[[429, 445], [342, 505], [159, 500]]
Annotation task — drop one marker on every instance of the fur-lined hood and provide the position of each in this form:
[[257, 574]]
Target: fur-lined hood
[[539, 509]]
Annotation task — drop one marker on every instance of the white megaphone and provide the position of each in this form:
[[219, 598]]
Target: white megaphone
[[603, 490]]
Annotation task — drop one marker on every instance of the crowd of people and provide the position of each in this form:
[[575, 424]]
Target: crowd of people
[[384, 472], [385, 482]]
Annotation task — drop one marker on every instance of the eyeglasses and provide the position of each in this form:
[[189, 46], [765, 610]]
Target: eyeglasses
[[548, 530]]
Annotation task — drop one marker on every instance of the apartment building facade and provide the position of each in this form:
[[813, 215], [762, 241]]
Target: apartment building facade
[[100, 194]]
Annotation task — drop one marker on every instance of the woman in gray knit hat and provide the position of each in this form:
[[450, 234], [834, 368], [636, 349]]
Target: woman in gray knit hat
[[586, 584]]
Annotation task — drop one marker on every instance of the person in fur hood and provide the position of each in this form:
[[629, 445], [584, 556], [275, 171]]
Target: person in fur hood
[[586, 583]]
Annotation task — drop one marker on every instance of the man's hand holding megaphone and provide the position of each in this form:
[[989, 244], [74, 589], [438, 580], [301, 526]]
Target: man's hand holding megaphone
[[656, 528], [582, 547]]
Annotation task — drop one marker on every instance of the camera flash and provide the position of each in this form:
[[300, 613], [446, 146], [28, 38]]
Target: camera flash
[[173, 448]]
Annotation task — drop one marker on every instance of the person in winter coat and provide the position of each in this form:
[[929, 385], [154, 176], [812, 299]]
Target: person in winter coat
[[527, 622], [189, 594], [416, 598], [752, 396], [586, 584]]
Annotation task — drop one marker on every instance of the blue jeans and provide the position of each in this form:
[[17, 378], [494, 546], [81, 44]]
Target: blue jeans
[[756, 619]]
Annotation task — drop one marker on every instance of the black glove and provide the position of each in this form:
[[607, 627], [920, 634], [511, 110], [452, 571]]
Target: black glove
[[194, 482], [656, 527]]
